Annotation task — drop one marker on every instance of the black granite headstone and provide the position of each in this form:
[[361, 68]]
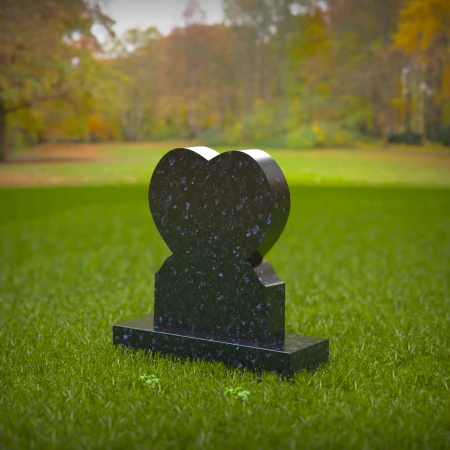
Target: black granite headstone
[[216, 298]]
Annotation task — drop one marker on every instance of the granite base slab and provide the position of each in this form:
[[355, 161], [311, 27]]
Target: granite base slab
[[295, 353]]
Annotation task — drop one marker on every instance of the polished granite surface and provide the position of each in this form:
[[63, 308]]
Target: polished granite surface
[[216, 297], [290, 355]]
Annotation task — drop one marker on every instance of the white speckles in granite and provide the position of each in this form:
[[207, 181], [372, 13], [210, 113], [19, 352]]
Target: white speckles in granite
[[215, 297]]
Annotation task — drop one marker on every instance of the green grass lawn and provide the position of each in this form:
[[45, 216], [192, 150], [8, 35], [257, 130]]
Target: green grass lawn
[[118, 164], [366, 266]]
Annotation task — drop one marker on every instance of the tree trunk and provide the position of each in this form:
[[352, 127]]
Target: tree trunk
[[408, 104], [384, 137], [383, 129], [2, 135]]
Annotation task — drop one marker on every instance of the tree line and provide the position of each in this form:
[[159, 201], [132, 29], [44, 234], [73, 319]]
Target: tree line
[[298, 74]]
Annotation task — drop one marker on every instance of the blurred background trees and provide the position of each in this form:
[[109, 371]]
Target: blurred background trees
[[50, 73], [300, 74]]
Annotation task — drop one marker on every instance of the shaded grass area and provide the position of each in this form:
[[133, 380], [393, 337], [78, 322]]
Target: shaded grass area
[[119, 164], [366, 267]]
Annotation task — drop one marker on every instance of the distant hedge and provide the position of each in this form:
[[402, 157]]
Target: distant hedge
[[407, 137], [444, 136]]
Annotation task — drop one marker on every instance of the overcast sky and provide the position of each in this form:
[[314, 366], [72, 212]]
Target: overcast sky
[[164, 14]]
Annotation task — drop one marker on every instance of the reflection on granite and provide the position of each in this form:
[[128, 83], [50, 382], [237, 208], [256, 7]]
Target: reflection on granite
[[216, 298]]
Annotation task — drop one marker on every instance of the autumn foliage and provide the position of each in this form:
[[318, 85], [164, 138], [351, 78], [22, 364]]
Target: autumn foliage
[[276, 72]]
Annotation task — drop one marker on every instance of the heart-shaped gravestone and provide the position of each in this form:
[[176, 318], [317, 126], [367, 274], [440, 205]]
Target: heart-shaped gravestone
[[232, 205], [216, 298], [219, 214]]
